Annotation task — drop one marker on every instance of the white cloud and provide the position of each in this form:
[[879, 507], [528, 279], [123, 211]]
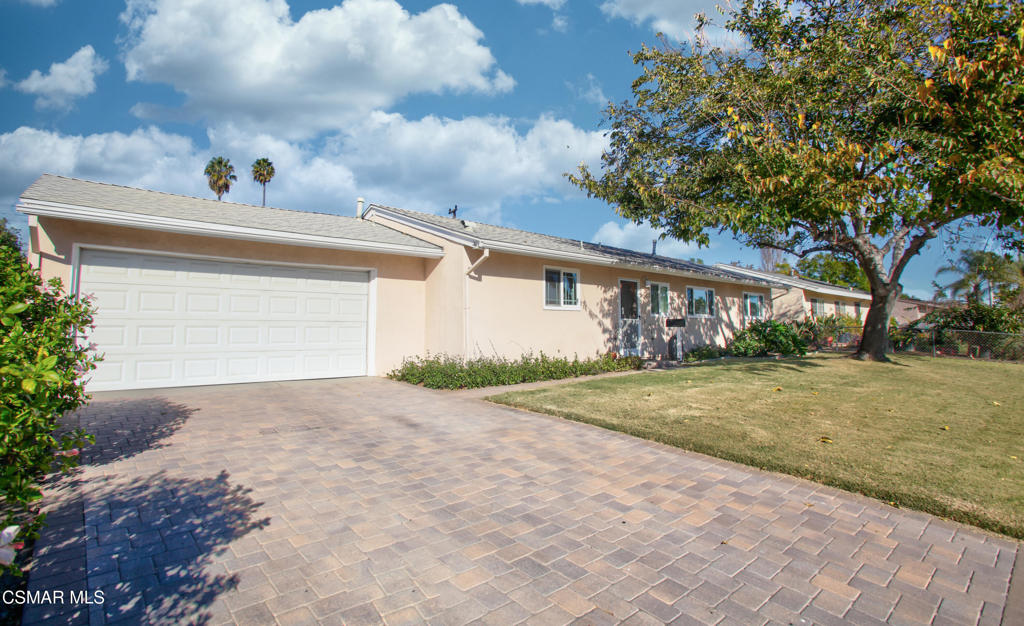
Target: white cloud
[[3, 78], [477, 162], [147, 157], [560, 23], [639, 237], [589, 90], [248, 62], [674, 18], [426, 164], [41, 3], [65, 81]]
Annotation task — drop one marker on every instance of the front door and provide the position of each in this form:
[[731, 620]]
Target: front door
[[629, 319]]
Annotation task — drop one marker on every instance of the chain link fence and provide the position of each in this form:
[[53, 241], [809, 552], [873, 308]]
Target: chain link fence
[[973, 344]]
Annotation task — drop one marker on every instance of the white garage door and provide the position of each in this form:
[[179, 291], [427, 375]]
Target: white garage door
[[171, 321]]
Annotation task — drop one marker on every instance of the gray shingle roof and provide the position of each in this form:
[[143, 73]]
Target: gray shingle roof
[[797, 281], [501, 234], [84, 193]]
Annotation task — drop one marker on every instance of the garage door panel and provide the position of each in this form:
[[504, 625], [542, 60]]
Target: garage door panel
[[166, 321]]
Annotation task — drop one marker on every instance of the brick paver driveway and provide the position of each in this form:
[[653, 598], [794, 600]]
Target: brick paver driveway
[[363, 500]]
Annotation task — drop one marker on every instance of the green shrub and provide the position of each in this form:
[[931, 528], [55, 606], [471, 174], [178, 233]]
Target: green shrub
[[703, 353], [41, 366], [450, 372], [767, 337]]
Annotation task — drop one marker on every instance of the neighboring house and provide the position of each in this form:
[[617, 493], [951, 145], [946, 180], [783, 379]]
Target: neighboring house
[[912, 309], [193, 291], [796, 298]]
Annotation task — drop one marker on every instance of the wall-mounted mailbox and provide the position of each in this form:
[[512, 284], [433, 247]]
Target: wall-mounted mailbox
[[675, 322]]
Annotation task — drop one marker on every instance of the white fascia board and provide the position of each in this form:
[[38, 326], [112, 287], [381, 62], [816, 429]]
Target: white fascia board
[[412, 222], [797, 284], [836, 292], [191, 227], [584, 257], [544, 253]]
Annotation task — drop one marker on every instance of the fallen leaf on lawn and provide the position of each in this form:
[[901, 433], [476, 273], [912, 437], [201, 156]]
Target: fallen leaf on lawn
[[1013, 457], [777, 389], [825, 440], [945, 428], [994, 403], [892, 410], [814, 393]]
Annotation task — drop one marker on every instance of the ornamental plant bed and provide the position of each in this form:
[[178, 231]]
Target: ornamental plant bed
[[449, 372], [938, 435]]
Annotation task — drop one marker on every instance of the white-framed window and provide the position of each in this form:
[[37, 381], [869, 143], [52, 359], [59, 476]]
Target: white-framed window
[[753, 306], [659, 299], [817, 307], [561, 288], [839, 307], [700, 302]]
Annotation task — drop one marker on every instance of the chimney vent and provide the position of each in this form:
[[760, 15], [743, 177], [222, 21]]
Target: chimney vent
[[359, 208], [654, 246]]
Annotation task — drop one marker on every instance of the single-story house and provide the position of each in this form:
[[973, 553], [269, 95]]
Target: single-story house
[[193, 291], [796, 298]]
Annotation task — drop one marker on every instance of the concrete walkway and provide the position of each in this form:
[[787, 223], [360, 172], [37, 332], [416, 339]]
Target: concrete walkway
[[368, 501]]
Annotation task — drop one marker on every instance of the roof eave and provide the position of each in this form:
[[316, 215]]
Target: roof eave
[[42, 208], [545, 253]]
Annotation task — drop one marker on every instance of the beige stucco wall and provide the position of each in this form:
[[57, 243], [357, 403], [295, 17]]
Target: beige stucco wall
[[507, 316], [400, 323], [829, 300], [444, 292]]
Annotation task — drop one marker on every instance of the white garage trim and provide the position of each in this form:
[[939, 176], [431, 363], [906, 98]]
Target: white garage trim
[[371, 298]]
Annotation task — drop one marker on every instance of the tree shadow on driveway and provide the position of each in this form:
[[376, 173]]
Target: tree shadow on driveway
[[125, 428], [154, 544]]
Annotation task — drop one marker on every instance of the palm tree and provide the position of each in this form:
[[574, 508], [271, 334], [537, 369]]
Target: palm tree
[[978, 271], [221, 174], [262, 172]]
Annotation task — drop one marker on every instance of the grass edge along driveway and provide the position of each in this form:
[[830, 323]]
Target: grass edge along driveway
[[944, 436]]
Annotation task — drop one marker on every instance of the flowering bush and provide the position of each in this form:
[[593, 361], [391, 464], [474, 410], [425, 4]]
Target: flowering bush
[[41, 370]]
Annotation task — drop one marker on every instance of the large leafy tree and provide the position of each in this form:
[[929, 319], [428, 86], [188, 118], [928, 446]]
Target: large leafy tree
[[828, 267], [855, 127], [220, 174], [262, 172]]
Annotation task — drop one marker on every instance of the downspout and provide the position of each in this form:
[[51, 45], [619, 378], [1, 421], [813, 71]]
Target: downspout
[[465, 301]]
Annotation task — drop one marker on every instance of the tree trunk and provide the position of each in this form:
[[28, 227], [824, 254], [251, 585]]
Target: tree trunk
[[264, 194], [874, 343]]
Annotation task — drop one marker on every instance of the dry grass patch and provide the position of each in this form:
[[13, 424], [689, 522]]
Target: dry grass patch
[[944, 436]]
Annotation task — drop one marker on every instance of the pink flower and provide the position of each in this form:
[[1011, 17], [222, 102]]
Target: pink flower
[[71, 452]]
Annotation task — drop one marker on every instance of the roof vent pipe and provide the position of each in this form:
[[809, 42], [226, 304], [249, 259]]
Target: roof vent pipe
[[359, 208], [654, 247]]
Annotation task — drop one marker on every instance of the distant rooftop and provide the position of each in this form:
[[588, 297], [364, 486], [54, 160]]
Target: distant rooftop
[[798, 281]]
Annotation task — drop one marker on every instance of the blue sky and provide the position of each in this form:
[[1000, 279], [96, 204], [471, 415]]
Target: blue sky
[[411, 103]]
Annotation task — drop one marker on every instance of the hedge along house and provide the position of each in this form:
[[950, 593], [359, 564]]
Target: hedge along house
[[193, 291]]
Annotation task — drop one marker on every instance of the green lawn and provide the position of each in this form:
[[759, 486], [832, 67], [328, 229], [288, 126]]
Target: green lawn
[[875, 428]]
